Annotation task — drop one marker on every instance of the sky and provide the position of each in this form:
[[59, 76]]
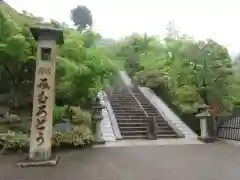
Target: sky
[[217, 19]]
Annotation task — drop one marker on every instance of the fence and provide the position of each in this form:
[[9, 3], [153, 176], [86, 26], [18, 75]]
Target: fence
[[230, 128]]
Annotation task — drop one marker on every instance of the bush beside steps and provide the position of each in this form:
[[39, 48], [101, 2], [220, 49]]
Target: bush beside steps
[[79, 137]]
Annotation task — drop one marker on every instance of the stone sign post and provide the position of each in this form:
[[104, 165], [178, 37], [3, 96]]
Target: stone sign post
[[44, 94]]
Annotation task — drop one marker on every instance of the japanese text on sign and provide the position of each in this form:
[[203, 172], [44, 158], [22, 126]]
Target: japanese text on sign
[[41, 113]]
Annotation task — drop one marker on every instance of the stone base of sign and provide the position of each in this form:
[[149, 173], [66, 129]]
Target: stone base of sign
[[207, 139], [53, 161]]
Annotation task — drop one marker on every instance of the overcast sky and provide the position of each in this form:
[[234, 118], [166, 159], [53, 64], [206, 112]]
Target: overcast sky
[[218, 19]]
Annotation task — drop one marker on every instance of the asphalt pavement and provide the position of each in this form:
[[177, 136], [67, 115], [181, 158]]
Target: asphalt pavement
[[167, 162]]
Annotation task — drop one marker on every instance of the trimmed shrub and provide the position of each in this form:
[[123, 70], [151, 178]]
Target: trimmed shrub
[[80, 136], [13, 141]]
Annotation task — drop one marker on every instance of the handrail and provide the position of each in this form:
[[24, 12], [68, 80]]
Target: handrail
[[151, 132], [138, 102]]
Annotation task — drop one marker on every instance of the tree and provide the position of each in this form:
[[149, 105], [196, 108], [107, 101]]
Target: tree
[[81, 71], [187, 71], [130, 49], [82, 17], [82, 67], [16, 56]]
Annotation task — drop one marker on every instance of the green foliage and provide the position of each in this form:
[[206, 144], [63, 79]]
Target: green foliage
[[13, 140], [16, 55], [78, 66], [78, 137], [21, 19], [190, 72], [58, 114], [82, 17], [3, 128], [81, 117], [82, 70], [80, 62], [187, 99]]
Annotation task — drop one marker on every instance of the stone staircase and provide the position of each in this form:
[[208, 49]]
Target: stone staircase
[[133, 113]]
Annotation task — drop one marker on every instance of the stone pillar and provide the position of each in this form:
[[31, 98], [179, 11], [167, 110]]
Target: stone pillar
[[98, 134], [204, 113], [44, 92], [96, 120], [203, 126]]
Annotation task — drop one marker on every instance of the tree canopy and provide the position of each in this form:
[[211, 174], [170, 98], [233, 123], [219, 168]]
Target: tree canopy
[[188, 71], [82, 67], [82, 17]]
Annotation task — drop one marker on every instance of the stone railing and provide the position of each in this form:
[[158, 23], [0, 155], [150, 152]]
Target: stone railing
[[110, 128]]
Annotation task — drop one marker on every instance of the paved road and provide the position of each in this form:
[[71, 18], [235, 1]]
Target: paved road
[[180, 162]]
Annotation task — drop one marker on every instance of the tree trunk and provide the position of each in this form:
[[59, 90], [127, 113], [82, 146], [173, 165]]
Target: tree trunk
[[14, 89], [15, 98], [204, 97]]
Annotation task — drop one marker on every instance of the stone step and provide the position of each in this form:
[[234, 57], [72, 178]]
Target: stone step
[[128, 98], [125, 94], [135, 113], [120, 99], [134, 132], [132, 117], [127, 121], [163, 126], [134, 136], [133, 129], [132, 124], [165, 131], [123, 97], [144, 136], [167, 136], [126, 103], [131, 107], [137, 122], [139, 97]]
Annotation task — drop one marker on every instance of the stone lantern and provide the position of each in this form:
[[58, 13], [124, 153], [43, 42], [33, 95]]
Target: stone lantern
[[96, 120], [44, 97], [203, 115]]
